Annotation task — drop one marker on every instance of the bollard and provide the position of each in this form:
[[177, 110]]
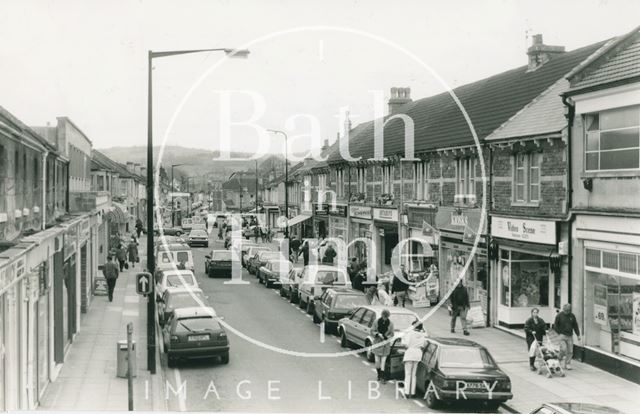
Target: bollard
[[130, 365]]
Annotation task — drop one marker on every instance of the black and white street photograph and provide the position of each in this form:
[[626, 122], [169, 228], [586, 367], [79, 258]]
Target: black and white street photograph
[[320, 206]]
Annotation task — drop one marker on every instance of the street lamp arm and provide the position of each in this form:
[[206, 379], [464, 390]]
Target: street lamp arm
[[228, 51]]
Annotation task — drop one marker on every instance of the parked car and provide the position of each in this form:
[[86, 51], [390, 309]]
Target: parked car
[[447, 362], [289, 285], [169, 231], [198, 226], [260, 258], [574, 408], [218, 263], [335, 304], [355, 329], [250, 252], [179, 297], [195, 333], [270, 273], [249, 232], [166, 278], [314, 279], [174, 256], [198, 237], [186, 225]]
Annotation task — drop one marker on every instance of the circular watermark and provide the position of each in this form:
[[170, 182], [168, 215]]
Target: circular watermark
[[283, 221]]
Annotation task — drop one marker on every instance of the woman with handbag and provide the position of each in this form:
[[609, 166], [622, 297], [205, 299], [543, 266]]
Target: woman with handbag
[[534, 328], [382, 332]]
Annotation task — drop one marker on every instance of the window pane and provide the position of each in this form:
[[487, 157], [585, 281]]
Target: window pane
[[622, 138], [520, 192], [592, 122], [520, 176], [534, 193], [592, 258], [620, 118], [593, 138], [628, 263], [610, 260], [618, 160], [534, 174], [592, 161]]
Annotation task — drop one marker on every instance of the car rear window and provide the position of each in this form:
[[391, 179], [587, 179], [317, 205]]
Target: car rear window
[[180, 280], [186, 325], [464, 357], [350, 301], [221, 255], [402, 321], [199, 233], [182, 257], [186, 300], [329, 276]]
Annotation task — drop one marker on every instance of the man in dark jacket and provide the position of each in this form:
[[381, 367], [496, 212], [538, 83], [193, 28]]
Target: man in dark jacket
[[110, 272], [121, 255], [565, 325], [294, 245], [400, 286], [329, 255], [459, 307], [304, 250]]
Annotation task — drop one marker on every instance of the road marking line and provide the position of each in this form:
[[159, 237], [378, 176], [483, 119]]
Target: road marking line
[[182, 406], [367, 363], [418, 403]]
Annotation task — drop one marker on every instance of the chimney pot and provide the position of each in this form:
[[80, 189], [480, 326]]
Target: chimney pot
[[399, 97], [539, 53], [537, 39]]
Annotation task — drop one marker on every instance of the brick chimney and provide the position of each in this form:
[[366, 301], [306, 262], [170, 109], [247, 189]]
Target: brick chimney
[[130, 166], [136, 168], [539, 53], [325, 145], [143, 171], [399, 97]]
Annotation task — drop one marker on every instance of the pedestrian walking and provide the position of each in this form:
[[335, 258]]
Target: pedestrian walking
[[383, 295], [329, 255], [110, 272], [304, 250], [414, 341], [256, 232], [358, 280], [565, 325], [294, 245], [400, 286], [382, 331], [132, 250], [121, 255], [535, 329], [459, 307], [139, 227]]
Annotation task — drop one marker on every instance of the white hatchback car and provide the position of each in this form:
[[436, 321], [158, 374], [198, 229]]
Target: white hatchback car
[[166, 278], [314, 280]]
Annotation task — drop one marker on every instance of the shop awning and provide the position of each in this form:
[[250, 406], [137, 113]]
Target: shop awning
[[118, 213], [536, 248], [298, 219]]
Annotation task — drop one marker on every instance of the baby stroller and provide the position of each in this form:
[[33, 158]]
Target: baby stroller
[[549, 355]]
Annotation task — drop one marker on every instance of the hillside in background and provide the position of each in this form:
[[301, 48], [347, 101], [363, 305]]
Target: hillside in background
[[199, 161]]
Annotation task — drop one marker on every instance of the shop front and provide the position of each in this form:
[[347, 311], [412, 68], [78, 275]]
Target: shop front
[[272, 212], [607, 265], [338, 222], [458, 230], [360, 222], [385, 236], [527, 269], [321, 220], [423, 246]]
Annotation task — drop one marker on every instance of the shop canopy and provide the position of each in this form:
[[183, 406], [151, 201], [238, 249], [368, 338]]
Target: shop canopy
[[298, 219]]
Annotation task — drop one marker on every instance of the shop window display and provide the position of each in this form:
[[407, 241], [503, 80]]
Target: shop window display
[[524, 279], [475, 278]]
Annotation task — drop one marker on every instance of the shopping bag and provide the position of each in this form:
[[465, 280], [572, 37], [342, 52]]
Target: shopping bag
[[126, 265]]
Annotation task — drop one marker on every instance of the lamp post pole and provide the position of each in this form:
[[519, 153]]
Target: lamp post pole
[[286, 180], [151, 305]]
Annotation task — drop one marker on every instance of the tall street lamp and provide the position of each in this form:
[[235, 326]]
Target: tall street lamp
[[286, 180], [151, 305]]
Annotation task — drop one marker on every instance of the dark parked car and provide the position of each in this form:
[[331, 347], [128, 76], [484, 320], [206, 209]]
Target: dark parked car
[[450, 364], [335, 304], [218, 263], [260, 259], [169, 231], [198, 237], [269, 274], [179, 297], [194, 333], [289, 286]]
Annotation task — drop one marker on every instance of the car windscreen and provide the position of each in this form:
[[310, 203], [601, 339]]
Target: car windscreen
[[187, 325], [180, 280], [221, 255], [464, 357], [182, 257], [350, 301], [329, 277], [402, 321], [186, 300], [198, 233]]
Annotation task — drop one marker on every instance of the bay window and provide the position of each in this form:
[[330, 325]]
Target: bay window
[[612, 139]]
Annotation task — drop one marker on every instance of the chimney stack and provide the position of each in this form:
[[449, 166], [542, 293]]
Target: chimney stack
[[325, 145], [399, 97], [539, 53], [130, 167], [136, 168], [143, 171]]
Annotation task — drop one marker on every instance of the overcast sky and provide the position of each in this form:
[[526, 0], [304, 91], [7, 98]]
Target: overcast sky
[[88, 59]]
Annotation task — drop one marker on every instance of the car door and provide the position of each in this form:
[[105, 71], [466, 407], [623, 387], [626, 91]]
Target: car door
[[303, 285], [426, 365], [322, 305], [363, 329], [352, 322]]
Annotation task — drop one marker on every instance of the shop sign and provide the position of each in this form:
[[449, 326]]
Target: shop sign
[[418, 216], [600, 305], [385, 214], [362, 212], [459, 220], [321, 209], [534, 231], [100, 287], [338, 210]]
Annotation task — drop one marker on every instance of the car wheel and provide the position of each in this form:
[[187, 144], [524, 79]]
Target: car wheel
[[178, 233], [327, 328], [309, 306], [267, 284], [225, 358], [171, 362], [369, 352], [282, 292], [315, 318], [343, 340], [301, 304], [432, 399]]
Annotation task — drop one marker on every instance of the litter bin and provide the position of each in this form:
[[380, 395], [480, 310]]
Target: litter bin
[[123, 364]]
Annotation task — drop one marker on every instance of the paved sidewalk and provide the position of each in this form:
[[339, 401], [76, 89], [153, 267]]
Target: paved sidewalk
[[584, 383], [87, 380]]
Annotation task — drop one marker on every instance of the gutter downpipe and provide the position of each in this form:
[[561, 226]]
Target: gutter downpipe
[[569, 115], [490, 200], [44, 190]]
